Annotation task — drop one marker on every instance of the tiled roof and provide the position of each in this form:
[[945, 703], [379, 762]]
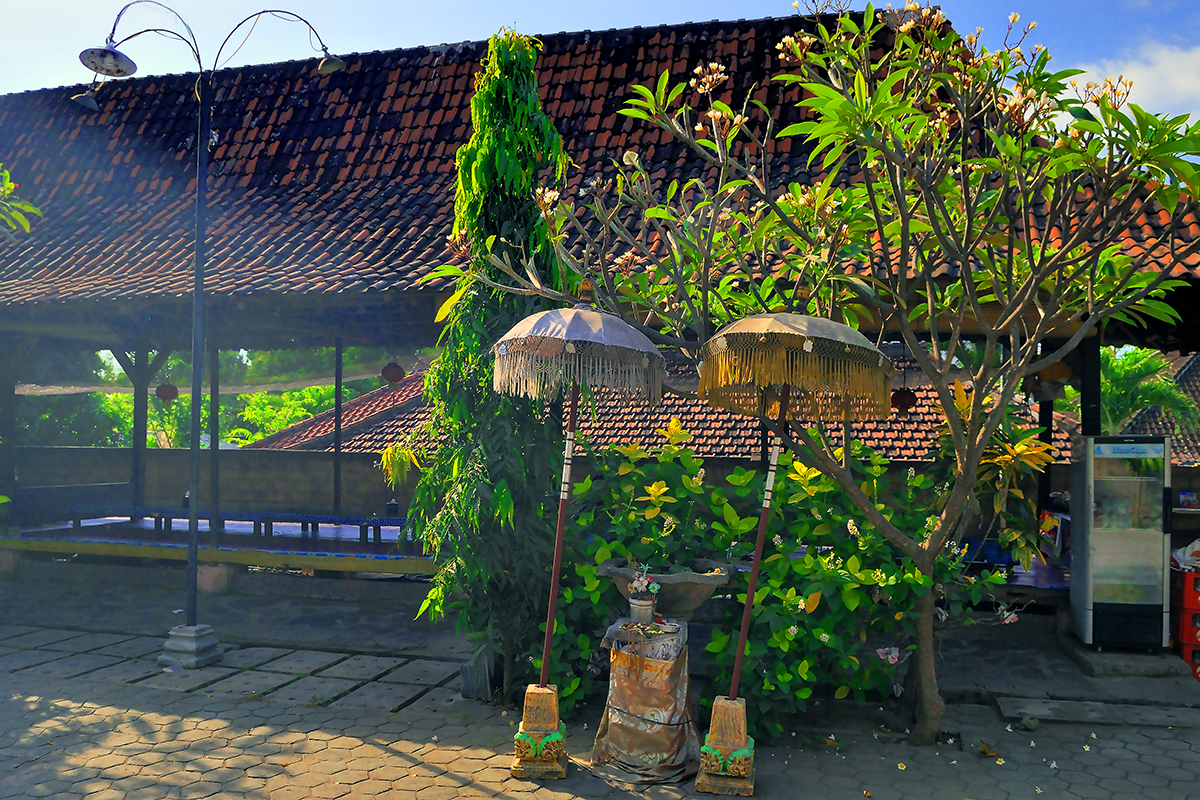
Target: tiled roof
[[316, 432], [1185, 444], [716, 433], [337, 184], [327, 184]]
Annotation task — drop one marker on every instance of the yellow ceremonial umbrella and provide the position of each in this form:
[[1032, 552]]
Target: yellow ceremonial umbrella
[[782, 366]]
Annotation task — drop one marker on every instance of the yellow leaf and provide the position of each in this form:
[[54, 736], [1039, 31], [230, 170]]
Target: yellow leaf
[[810, 605], [652, 512], [899, 615], [449, 305], [625, 469], [841, 692]]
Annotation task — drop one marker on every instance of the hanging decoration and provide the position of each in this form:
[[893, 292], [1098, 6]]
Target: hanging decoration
[[167, 392], [393, 373]]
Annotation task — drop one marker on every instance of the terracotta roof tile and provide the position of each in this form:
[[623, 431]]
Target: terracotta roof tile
[[716, 433], [357, 413]]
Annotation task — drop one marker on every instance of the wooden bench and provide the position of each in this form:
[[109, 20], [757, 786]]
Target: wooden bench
[[263, 521]]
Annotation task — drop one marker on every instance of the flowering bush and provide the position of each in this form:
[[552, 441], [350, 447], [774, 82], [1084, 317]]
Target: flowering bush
[[829, 583]]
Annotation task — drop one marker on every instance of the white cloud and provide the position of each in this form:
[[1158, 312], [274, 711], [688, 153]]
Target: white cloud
[[1166, 78]]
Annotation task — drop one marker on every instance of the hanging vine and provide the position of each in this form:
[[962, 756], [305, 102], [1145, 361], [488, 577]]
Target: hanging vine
[[480, 505]]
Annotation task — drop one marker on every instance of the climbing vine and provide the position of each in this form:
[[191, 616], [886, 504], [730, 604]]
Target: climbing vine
[[490, 460]]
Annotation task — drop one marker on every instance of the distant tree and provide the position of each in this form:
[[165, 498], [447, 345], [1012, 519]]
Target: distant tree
[[1133, 379]]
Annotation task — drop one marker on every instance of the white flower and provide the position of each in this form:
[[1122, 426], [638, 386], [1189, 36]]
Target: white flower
[[824, 637], [778, 540], [792, 631], [853, 528], [912, 473]]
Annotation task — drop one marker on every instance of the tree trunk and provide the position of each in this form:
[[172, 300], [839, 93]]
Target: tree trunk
[[928, 703]]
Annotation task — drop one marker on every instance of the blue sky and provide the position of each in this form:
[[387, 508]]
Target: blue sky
[[1152, 41]]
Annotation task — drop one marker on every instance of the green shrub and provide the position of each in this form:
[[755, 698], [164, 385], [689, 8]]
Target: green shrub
[[830, 584]]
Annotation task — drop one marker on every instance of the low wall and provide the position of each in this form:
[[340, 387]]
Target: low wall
[[298, 481]]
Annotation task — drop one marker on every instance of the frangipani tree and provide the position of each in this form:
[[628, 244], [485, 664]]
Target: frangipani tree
[[963, 196]]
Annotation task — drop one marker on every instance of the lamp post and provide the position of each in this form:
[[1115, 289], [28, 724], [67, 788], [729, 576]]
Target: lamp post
[[190, 645]]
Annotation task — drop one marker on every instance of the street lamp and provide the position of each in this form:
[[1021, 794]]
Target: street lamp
[[190, 645]]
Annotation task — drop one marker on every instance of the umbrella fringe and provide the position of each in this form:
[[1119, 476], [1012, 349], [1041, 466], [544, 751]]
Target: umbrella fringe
[[541, 376], [830, 380]]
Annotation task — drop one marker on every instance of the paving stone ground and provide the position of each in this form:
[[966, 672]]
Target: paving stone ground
[[105, 740], [91, 714]]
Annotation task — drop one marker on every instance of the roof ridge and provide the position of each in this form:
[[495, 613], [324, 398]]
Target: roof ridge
[[316, 419], [442, 47]]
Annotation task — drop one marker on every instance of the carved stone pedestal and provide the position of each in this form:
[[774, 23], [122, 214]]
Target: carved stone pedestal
[[727, 757], [540, 750]]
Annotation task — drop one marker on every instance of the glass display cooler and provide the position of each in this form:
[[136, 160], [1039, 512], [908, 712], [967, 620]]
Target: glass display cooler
[[1121, 541]]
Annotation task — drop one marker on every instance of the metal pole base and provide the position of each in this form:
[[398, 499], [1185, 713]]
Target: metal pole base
[[727, 757], [191, 646], [540, 752]]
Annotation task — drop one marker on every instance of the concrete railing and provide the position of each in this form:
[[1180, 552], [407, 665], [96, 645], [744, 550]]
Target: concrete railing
[[296, 481]]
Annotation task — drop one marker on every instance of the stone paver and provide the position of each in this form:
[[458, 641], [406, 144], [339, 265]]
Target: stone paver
[[87, 642], [186, 680], [82, 737], [73, 665], [312, 690], [6, 650], [361, 668], [303, 662], [40, 638], [9, 631], [424, 673], [139, 647], [380, 696], [242, 684], [127, 671], [248, 657], [21, 659]]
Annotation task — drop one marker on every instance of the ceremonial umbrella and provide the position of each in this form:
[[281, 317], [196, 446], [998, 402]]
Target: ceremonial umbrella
[[541, 357], [784, 366]]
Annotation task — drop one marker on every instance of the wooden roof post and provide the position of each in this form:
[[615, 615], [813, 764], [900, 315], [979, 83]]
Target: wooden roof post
[[216, 525], [1089, 390], [142, 372], [337, 426]]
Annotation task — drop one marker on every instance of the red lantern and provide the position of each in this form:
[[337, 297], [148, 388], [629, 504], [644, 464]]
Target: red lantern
[[167, 392], [393, 373], [904, 400]]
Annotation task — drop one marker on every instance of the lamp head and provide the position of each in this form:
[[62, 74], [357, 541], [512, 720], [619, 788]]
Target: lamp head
[[87, 100], [108, 61], [330, 64]]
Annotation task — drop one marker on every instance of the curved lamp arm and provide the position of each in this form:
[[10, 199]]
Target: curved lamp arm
[[195, 44], [288, 16], [111, 62]]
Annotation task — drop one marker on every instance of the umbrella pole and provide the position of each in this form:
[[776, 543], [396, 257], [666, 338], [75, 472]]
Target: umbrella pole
[[727, 757], [763, 517], [540, 751], [559, 534]]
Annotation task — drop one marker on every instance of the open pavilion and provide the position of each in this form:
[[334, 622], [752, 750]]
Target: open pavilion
[[330, 199]]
